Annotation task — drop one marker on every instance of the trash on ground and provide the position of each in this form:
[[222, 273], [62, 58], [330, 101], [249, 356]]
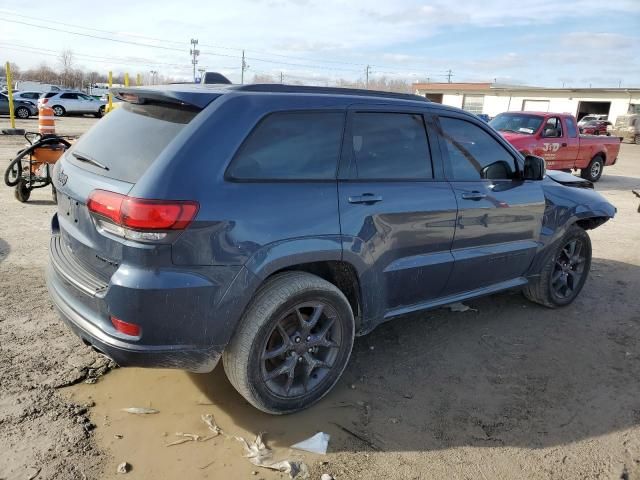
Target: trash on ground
[[260, 455], [316, 444], [460, 307], [211, 423], [190, 437], [119, 436], [140, 410], [124, 467], [326, 476]]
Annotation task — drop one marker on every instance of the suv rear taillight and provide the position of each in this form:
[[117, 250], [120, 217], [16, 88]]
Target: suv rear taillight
[[44, 100], [139, 218]]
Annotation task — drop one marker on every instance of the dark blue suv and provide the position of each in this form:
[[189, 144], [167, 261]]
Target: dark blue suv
[[269, 225]]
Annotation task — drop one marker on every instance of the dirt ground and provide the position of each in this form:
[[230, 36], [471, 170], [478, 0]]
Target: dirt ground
[[513, 390]]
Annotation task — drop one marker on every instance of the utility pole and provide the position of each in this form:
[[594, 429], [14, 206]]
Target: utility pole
[[202, 70], [194, 56], [153, 76], [449, 75], [366, 76], [244, 67], [281, 78]]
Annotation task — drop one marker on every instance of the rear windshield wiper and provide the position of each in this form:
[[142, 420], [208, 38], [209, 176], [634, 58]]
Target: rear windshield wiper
[[84, 158]]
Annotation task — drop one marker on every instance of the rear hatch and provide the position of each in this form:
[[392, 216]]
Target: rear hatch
[[98, 172]]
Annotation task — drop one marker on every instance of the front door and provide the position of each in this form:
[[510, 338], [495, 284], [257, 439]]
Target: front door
[[499, 216], [556, 151], [397, 213]]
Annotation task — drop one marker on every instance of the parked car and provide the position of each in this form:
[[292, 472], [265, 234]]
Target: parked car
[[63, 103], [21, 108], [627, 127], [30, 97], [590, 118], [268, 225], [595, 127], [555, 137]]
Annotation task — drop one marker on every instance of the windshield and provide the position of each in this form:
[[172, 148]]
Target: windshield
[[517, 123]]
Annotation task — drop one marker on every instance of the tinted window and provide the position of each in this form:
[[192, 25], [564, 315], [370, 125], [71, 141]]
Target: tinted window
[[571, 127], [473, 153], [390, 146], [291, 145], [69, 96], [130, 138], [50, 94]]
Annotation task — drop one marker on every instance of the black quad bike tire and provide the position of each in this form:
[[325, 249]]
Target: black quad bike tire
[[21, 191], [245, 360]]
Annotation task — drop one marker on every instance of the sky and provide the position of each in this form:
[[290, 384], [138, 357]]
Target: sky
[[542, 43]]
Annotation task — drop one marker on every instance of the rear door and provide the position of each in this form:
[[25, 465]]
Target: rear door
[[499, 216], [396, 211]]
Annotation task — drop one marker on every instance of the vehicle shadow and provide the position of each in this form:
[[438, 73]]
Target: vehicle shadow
[[4, 249], [511, 374], [609, 182]]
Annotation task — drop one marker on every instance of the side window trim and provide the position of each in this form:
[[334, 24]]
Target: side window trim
[[348, 163], [446, 161], [228, 177]]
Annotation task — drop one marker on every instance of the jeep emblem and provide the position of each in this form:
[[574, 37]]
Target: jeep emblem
[[62, 177]]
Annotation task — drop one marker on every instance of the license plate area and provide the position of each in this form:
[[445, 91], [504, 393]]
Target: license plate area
[[68, 208]]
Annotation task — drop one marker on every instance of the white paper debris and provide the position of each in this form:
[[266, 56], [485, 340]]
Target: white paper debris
[[211, 423], [140, 410], [260, 455], [316, 444], [124, 467], [460, 307]]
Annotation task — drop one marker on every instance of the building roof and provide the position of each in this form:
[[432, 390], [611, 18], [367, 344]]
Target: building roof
[[499, 87]]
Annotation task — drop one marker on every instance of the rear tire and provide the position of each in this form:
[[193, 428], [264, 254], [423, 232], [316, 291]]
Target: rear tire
[[280, 359], [21, 191], [22, 113], [58, 111], [559, 267], [594, 171]]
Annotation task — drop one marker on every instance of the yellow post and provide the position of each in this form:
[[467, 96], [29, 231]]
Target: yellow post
[[126, 79], [12, 116], [138, 80], [110, 105]]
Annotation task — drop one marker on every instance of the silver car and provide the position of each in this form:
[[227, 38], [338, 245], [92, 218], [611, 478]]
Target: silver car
[[63, 103]]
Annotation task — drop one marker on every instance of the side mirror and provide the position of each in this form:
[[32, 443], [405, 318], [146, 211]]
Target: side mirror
[[534, 168], [499, 170]]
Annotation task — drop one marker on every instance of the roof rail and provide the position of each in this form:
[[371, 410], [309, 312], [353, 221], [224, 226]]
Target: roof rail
[[278, 88]]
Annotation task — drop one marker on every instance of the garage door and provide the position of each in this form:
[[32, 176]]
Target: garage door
[[535, 106]]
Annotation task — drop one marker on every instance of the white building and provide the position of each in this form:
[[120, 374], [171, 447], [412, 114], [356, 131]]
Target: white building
[[492, 98]]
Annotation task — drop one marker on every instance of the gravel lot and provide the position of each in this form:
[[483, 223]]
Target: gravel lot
[[511, 391]]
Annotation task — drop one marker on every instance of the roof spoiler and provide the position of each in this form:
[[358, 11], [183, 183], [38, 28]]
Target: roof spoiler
[[189, 99]]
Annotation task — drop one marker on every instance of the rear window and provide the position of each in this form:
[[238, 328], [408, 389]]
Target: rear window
[[129, 139], [291, 146], [50, 94]]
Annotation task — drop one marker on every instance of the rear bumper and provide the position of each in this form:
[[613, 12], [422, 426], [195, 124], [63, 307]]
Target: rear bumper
[[126, 353]]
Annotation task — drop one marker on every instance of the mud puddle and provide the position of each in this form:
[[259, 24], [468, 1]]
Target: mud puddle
[[181, 398]]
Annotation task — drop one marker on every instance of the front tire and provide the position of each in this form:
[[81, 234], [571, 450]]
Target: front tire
[[100, 112], [594, 171], [564, 272], [292, 343], [58, 111], [22, 192]]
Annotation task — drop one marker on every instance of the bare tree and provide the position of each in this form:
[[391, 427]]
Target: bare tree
[[66, 61]]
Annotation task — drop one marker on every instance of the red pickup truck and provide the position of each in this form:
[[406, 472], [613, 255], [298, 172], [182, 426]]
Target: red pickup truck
[[555, 137]]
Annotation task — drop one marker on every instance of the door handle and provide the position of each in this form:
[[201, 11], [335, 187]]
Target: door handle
[[368, 198], [473, 195], [564, 144]]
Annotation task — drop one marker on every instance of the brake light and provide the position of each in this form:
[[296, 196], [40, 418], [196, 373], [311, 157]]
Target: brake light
[[44, 100], [125, 327], [140, 218]]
